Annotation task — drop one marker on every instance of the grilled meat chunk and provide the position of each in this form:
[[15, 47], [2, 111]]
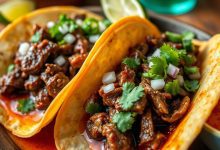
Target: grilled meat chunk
[[95, 124], [33, 83], [43, 99]]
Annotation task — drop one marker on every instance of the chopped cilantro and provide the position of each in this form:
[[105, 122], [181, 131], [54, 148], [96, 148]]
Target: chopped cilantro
[[106, 22], [130, 95], [90, 26], [93, 108], [170, 54], [174, 37], [10, 68], [172, 87], [158, 70], [191, 70], [191, 85], [124, 120], [187, 40], [189, 59], [63, 21], [36, 37], [132, 62], [25, 106]]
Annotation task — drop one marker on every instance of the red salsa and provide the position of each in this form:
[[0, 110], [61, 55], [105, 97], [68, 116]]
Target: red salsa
[[214, 118]]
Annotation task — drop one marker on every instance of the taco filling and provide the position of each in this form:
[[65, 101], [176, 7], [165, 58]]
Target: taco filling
[[142, 100], [45, 64]]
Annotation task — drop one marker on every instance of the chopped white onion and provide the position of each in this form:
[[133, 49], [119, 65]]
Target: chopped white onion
[[69, 38], [108, 88], [195, 76], [60, 60], [50, 24], [157, 84], [23, 48], [63, 29], [156, 53], [109, 77], [79, 22], [172, 70], [93, 38], [180, 79], [102, 27]]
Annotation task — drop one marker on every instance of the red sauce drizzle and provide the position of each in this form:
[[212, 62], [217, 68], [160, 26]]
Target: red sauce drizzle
[[214, 118]]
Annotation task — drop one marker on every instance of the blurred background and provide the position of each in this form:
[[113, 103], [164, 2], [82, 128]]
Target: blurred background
[[205, 14]]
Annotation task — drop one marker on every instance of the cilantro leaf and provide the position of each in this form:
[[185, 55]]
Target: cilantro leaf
[[36, 37], [25, 106], [191, 70], [63, 21], [124, 120], [93, 108], [90, 26], [10, 68], [191, 85], [189, 59], [132, 62], [170, 54], [158, 70], [130, 95], [172, 87]]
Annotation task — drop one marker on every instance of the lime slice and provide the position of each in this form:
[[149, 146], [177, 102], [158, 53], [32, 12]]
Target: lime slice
[[15, 8], [117, 9]]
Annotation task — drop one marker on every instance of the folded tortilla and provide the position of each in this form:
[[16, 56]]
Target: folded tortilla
[[111, 48], [10, 38]]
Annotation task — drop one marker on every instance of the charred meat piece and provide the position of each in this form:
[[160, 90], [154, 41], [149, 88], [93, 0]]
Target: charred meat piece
[[147, 133], [11, 82], [42, 32], [52, 69], [42, 99], [115, 139], [95, 125], [82, 44], [179, 113], [157, 142], [140, 105], [36, 57], [77, 60], [111, 112], [33, 83], [56, 83], [156, 97], [66, 49], [110, 99], [127, 75]]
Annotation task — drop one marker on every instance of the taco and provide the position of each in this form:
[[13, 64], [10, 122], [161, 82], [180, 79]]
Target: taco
[[142, 90], [40, 53]]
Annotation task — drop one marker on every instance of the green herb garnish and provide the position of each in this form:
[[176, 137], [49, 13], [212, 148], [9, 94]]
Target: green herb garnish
[[191, 85], [25, 106], [191, 70], [63, 21], [3, 20], [158, 69], [124, 120], [93, 108], [172, 87], [130, 95], [36, 37], [132, 62], [187, 40], [11, 67], [174, 37], [170, 54], [90, 26]]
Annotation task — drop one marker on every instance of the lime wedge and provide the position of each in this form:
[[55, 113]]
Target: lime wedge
[[15, 8], [117, 9]]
